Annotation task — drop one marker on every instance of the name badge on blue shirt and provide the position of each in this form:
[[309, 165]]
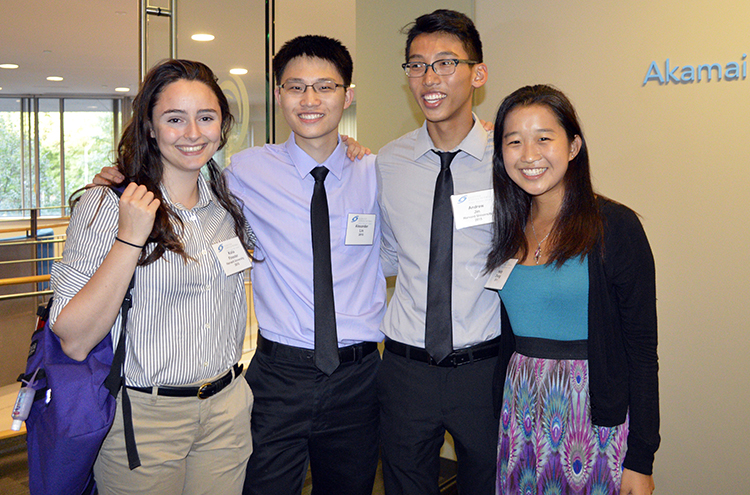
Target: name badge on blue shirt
[[360, 229], [500, 275]]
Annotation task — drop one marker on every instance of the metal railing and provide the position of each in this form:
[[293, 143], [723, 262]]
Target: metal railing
[[29, 237]]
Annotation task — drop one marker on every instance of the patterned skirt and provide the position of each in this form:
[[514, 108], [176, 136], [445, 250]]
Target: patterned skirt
[[547, 444]]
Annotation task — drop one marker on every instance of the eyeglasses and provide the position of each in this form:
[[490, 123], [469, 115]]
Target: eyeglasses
[[320, 87], [442, 67]]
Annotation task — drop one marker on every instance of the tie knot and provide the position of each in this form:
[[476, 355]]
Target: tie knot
[[319, 173], [446, 157]]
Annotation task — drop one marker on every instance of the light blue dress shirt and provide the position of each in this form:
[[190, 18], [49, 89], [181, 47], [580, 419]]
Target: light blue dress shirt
[[275, 184]]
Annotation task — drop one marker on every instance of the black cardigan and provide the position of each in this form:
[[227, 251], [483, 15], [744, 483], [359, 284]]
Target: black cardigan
[[623, 363]]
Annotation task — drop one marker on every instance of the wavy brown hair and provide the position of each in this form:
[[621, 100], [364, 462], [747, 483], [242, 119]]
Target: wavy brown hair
[[140, 161], [578, 226]]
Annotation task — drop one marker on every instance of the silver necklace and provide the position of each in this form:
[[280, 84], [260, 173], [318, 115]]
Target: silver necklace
[[538, 252]]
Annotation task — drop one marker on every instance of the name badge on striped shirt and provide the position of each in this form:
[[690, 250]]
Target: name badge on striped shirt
[[232, 255]]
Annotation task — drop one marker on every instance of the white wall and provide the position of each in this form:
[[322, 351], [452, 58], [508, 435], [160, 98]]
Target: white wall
[[677, 154]]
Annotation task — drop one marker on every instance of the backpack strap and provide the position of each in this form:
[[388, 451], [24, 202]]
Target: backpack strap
[[116, 379]]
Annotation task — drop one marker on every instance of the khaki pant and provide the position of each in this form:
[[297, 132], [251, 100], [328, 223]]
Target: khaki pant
[[186, 445]]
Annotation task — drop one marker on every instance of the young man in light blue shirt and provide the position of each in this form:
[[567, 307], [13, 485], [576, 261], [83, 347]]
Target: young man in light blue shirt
[[301, 414]]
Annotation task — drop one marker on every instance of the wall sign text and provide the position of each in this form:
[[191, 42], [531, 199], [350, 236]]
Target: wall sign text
[[686, 74]]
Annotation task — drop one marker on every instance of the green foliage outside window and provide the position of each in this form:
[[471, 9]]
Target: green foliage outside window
[[88, 145]]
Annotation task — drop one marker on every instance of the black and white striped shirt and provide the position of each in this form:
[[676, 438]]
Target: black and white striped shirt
[[188, 320]]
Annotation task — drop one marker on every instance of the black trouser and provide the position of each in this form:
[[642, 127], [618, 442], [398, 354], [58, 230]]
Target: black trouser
[[301, 415], [418, 404]]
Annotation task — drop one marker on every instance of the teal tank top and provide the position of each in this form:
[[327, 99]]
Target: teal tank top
[[549, 303]]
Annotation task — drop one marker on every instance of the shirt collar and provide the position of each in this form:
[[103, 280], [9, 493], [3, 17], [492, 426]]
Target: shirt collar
[[305, 163], [474, 144], [204, 195]]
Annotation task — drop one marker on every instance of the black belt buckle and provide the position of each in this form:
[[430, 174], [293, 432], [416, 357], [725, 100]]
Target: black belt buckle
[[453, 360]]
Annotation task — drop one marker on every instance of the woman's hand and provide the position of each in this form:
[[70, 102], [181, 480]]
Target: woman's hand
[[137, 213], [354, 150], [636, 483]]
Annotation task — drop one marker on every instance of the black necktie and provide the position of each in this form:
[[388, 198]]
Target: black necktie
[[438, 321], [326, 342]]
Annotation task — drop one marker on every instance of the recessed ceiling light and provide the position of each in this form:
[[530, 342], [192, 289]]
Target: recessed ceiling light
[[352, 85], [54, 78], [202, 37], [122, 90], [8, 66], [238, 71]]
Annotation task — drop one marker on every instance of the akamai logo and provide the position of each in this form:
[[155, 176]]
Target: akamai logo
[[461, 199], [355, 218], [732, 71]]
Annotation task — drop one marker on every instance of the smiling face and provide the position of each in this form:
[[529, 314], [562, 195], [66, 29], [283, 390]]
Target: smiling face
[[536, 151], [186, 123], [445, 101], [313, 117]]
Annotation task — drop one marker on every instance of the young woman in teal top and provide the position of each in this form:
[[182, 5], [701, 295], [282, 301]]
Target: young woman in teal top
[[576, 385]]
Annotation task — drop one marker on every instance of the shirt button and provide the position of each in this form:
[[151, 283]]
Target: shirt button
[[205, 364], [207, 326], [203, 252]]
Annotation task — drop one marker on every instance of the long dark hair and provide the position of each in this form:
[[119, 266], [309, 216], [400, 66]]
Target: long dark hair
[[579, 224], [139, 158]]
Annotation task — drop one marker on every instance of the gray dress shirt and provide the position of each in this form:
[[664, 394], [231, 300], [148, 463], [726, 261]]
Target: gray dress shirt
[[407, 170]]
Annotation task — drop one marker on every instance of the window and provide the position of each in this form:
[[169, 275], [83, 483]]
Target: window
[[89, 140], [50, 147], [13, 172]]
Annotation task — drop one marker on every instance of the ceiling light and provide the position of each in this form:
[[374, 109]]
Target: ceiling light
[[122, 90], [238, 71], [202, 37], [54, 78], [8, 66]]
